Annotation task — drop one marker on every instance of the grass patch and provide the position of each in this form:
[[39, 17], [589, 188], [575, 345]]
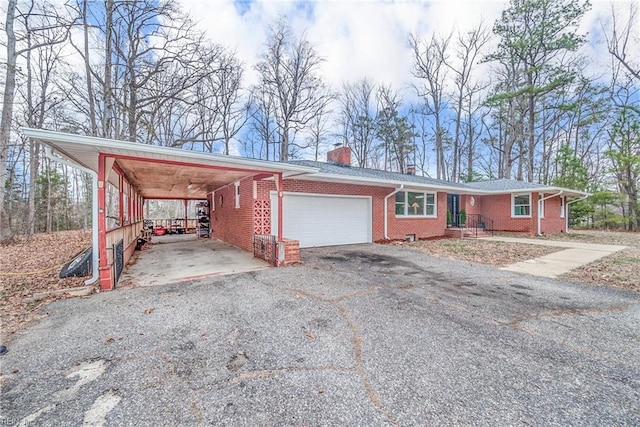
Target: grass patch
[[457, 247], [626, 261]]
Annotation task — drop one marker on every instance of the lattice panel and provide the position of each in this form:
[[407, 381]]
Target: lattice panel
[[262, 216]]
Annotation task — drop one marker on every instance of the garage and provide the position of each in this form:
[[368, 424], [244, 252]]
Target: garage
[[323, 220]]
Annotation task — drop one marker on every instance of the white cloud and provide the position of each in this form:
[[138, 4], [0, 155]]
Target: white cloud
[[356, 38], [361, 39]]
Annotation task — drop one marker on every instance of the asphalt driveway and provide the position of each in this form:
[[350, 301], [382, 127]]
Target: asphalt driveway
[[358, 335]]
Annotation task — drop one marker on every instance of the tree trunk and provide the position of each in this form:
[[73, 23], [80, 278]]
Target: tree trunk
[[7, 107], [532, 136], [107, 123], [87, 68]]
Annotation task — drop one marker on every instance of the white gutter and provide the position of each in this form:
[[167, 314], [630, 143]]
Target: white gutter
[[386, 214], [94, 214], [540, 206], [566, 214]]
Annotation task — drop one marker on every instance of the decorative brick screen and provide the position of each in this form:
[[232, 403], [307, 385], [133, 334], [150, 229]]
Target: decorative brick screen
[[262, 216]]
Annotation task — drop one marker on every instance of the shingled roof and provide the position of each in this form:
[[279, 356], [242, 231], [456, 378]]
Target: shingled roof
[[505, 185], [336, 171]]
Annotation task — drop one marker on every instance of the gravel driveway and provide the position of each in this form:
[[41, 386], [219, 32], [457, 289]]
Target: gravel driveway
[[358, 335]]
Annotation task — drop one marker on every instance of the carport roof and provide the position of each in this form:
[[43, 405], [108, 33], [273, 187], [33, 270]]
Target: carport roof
[[162, 172]]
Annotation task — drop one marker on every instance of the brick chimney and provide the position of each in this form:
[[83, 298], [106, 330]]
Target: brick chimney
[[411, 169], [340, 155]]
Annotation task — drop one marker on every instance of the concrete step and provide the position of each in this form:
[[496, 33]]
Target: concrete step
[[474, 234]]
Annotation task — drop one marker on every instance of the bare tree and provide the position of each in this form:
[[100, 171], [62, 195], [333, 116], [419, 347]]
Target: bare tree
[[233, 109], [429, 66], [394, 130], [468, 49], [7, 106], [358, 119], [289, 75], [264, 128], [621, 38], [41, 27]]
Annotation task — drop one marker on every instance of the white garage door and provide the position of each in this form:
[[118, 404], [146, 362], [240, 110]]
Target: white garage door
[[323, 220]]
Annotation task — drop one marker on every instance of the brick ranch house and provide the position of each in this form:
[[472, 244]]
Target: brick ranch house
[[299, 203]]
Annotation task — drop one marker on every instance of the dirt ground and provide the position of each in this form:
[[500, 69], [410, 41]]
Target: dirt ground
[[620, 270], [480, 251], [32, 265]]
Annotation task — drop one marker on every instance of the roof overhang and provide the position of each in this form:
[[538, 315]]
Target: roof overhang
[[544, 190], [162, 172]]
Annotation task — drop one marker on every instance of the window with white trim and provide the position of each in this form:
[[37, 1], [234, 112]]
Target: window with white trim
[[521, 205], [237, 193], [562, 206], [415, 204]]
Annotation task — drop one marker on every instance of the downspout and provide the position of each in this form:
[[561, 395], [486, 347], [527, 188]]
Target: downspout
[[540, 206], [566, 214], [94, 214], [386, 214]]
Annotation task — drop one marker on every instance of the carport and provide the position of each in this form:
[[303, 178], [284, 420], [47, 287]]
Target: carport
[[184, 257], [126, 174]]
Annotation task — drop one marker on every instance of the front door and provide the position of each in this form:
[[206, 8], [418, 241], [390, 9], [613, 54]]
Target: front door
[[453, 209]]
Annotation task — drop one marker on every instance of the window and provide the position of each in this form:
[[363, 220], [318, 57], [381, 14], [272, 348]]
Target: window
[[521, 205], [562, 208], [237, 192], [400, 198], [112, 208], [410, 203]]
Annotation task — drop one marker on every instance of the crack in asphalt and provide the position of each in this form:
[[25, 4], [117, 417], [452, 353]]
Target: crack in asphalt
[[356, 341], [196, 403]]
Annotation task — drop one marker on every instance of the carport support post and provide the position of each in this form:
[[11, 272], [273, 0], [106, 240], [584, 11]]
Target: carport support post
[[105, 272], [280, 196], [186, 202]]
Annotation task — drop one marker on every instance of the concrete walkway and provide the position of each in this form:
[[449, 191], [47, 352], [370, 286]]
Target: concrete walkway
[[575, 255]]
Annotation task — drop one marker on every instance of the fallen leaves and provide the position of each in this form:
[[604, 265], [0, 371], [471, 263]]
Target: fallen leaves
[[33, 265], [619, 270], [481, 251], [148, 310]]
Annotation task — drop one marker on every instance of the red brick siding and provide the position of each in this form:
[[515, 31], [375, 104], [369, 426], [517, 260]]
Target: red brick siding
[[552, 223], [398, 227], [498, 208], [291, 252], [234, 226], [466, 204]]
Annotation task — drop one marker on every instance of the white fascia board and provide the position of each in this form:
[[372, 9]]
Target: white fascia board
[[565, 191], [105, 145]]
